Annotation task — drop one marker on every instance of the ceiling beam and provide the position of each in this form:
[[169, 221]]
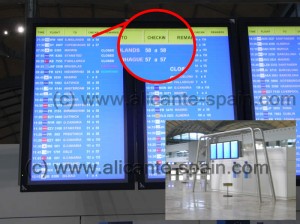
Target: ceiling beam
[[5, 66], [195, 11], [126, 11], [7, 52], [220, 124], [30, 8], [213, 8], [93, 11], [233, 11], [59, 11], [181, 128], [10, 123], [15, 134], [281, 10], [290, 9], [11, 82]]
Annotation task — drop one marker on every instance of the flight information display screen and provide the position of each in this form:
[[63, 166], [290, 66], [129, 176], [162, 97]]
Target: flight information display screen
[[234, 149], [227, 154], [275, 70], [78, 131], [193, 96], [78, 126], [220, 151], [156, 53], [213, 151]]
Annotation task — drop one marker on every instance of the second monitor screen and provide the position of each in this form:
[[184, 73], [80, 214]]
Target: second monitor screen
[[274, 56], [192, 96], [227, 150]]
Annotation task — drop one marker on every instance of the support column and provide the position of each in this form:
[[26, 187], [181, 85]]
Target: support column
[[30, 8]]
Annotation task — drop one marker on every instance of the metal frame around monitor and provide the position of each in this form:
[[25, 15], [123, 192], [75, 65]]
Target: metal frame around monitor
[[246, 61], [143, 181], [27, 113]]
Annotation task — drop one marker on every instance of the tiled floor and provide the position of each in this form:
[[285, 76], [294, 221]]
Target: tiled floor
[[183, 204]]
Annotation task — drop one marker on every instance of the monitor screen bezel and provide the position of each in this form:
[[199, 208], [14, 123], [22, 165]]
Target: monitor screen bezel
[[144, 182], [243, 25], [27, 113]]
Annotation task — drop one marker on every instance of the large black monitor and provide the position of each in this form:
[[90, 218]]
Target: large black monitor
[[270, 52], [211, 78], [77, 132]]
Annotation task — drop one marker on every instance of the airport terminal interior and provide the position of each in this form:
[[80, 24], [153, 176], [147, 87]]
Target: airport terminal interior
[[123, 112], [211, 198]]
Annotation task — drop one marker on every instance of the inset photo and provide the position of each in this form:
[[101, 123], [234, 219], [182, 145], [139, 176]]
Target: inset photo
[[231, 170]]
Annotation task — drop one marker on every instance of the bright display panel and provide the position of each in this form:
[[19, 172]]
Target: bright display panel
[[234, 149], [77, 124], [220, 151], [275, 66], [227, 154], [194, 95], [213, 151]]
